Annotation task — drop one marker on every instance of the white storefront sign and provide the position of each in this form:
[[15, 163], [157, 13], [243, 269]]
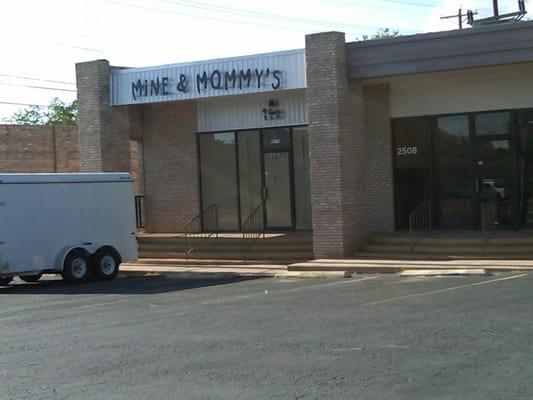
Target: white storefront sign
[[261, 73], [262, 110]]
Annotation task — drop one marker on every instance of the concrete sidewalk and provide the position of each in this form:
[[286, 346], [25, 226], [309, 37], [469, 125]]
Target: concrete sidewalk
[[204, 271], [224, 271], [370, 266], [331, 268]]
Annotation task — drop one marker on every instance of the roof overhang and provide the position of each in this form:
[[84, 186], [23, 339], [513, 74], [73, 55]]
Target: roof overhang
[[493, 45]]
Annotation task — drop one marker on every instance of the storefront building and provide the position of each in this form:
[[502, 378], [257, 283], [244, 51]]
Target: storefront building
[[339, 139]]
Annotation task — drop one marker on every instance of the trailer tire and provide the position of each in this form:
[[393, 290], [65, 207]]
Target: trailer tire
[[5, 281], [106, 262], [31, 278], [76, 267]]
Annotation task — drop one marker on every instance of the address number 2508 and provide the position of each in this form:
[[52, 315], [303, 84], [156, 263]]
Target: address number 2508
[[406, 150]]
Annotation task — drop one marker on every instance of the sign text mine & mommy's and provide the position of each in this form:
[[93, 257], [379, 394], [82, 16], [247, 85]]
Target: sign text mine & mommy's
[[234, 80]]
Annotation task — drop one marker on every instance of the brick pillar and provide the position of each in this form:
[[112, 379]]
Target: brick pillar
[[380, 171], [171, 167], [103, 132], [337, 148]]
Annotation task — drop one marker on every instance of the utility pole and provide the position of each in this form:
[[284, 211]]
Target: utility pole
[[495, 8], [459, 16], [498, 18]]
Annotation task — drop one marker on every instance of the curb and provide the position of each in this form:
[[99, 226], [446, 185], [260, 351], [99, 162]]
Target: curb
[[232, 275], [444, 272], [313, 274], [187, 275]]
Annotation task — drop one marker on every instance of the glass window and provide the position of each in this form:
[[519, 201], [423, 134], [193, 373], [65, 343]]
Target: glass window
[[453, 172], [302, 184], [495, 173], [278, 189], [412, 161], [250, 175], [525, 129], [276, 139], [497, 123], [218, 168]]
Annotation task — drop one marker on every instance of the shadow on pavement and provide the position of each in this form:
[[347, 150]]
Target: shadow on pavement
[[137, 285]]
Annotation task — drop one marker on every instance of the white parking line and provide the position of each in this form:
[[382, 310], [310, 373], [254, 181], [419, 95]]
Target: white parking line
[[375, 303], [298, 289], [343, 282]]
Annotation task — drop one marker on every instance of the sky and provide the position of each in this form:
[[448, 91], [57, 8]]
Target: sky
[[43, 39]]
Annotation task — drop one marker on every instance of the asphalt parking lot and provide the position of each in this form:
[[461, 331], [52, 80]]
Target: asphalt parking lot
[[370, 337]]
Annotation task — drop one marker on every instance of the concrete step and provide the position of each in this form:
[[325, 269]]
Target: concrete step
[[223, 240], [449, 249], [437, 240], [216, 246], [441, 256], [228, 255]]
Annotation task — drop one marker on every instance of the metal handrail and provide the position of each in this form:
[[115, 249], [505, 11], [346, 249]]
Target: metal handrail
[[421, 219], [250, 229], [194, 232], [139, 211]]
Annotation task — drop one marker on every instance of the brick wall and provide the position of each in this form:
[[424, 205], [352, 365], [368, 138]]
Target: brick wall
[[350, 150], [380, 191], [170, 165], [104, 131], [337, 153], [35, 148], [137, 167]]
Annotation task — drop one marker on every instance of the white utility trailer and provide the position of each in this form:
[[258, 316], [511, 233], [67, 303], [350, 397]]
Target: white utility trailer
[[78, 225]]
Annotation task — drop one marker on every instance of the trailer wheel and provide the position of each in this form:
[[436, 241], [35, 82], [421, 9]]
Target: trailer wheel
[[5, 281], [31, 278], [76, 267], [106, 263]]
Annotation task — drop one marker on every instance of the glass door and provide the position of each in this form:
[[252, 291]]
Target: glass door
[[277, 191], [496, 186], [454, 173], [277, 181]]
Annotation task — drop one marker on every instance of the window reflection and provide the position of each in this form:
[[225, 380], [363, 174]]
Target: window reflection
[[453, 172], [250, 176], [494, 123], [302, 181], [525, 129], [218, 168], [412, 161]]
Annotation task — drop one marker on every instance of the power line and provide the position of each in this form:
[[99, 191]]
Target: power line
[[22, 104], [91, 50], [37, 87], [218, 19], [158, 10], [36, 79], [255, 14], [382, 6], [83, 48], [410, 3]]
